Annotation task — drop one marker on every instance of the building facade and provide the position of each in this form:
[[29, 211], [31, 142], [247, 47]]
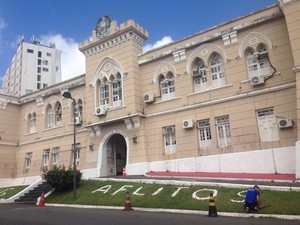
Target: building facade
[[221, 100], [33, 67]]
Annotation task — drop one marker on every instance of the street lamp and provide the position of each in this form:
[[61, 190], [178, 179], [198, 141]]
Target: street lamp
[[68, 95]]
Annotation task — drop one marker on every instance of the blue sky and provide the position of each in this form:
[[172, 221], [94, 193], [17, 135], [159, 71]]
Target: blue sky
[[68, 22]]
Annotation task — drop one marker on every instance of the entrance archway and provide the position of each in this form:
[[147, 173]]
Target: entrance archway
[[116, 155]]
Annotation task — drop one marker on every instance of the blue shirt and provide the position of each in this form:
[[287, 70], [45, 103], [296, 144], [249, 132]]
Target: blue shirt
[[251, 195]]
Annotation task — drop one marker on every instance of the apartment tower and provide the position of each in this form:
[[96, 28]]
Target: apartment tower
[[34, 66]]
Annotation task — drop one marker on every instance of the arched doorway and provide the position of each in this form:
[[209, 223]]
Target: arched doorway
[[116, 154]]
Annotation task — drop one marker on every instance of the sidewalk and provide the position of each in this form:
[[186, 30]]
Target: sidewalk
[[234, 176], [241, 178]]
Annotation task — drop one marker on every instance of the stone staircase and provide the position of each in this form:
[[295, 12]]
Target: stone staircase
[[31, 196]]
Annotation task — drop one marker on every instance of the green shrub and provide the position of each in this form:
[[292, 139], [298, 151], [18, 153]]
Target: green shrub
[[60, 178]]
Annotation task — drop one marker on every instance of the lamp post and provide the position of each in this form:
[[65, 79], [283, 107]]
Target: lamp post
[[68, 95]]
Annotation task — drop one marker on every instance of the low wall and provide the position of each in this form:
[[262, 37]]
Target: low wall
[[19, 181], [297, 160], [280, 160]]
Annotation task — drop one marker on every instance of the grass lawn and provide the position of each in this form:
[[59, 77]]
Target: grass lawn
[[113, 193], [7, 192]]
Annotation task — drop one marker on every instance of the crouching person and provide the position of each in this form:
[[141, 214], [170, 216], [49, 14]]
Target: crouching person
[[252, 199]]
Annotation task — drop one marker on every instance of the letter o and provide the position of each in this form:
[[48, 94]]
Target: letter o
[[215, 193]]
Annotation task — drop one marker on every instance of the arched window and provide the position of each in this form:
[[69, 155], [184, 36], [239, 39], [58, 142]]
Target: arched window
[[258, 62], [78, 108], [117, 91], [217, 71], [50, 117], [110, 92], [167, 86], [199, 75], [263, 60], [251, 63], [58, 113], [54, 115], [78, 111], [104, 92], [31, 122]]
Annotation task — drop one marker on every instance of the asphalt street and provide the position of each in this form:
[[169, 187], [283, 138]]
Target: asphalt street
[[26, 214]]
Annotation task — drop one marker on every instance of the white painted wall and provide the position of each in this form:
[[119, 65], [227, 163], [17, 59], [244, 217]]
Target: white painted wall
[[19, 181], [297, 156], [280, 160]]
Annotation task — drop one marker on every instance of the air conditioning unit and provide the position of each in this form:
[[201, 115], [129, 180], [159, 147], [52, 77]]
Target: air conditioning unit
[[199, 72], [285, 123], [187, 124], [257, 80], [77, 120], [149, 97], [260, 56], [101, 110]]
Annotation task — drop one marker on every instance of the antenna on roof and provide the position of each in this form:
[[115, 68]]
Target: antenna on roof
[[32, 39], [21, 39]]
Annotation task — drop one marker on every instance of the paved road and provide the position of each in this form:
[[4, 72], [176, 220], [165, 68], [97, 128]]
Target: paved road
[[20, 214]]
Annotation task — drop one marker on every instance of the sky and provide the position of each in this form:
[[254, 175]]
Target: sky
[[68, 22]]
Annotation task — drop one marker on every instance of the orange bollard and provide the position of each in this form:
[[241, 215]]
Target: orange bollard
[[212, 206], [124, 172], [127, 203], [42, 200]]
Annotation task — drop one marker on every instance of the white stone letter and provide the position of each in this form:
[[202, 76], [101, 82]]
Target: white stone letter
[[176, 192], [103, 189], [122, 189], [158, 190], [241, 194], [137, 191], [215, 193]]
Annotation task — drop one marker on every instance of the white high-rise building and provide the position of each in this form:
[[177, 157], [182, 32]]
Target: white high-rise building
[[34, 67]]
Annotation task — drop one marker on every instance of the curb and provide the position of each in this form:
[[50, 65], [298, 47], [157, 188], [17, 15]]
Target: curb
[[179, 211]]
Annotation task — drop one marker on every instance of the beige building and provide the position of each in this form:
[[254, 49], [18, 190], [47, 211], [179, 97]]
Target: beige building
[[222, 100]]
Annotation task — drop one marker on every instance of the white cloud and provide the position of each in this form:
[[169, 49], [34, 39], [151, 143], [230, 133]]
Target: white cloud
[[2, 24], [163, 41], [72, 60]]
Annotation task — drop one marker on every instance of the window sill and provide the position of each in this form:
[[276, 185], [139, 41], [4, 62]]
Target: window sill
[[115, 108], [110, 108], [31, 133], [167, 100], [52, 128], [211, 89]]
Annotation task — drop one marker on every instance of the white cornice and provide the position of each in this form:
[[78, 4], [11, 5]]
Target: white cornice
[[296, 69], [51, 137], [209, 38], [226, 99], [116, 41]]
